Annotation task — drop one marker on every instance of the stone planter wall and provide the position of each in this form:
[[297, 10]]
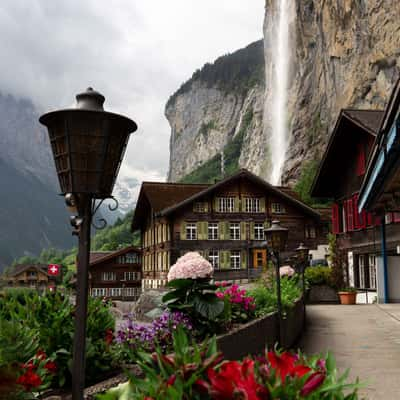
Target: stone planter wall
[[255, 336], [322, 294]]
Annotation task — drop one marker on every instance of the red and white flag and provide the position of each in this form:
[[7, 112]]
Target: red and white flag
[[53, 269]]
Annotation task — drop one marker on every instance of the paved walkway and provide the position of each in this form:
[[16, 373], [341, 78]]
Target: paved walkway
[[365, 338]]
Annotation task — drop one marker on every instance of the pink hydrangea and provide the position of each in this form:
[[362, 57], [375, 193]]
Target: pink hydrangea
[[190, 266], [286, 271]]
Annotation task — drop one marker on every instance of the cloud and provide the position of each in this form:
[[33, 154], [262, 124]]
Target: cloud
[[137, 53]]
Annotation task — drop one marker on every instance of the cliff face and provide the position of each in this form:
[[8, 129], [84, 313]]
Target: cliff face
[[219, 109], [345, 54]]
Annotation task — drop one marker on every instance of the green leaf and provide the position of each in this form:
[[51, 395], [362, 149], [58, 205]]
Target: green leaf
[[208, 306]]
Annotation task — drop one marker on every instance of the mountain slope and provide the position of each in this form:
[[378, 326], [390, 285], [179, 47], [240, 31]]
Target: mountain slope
[[32, 216], [210, 113]]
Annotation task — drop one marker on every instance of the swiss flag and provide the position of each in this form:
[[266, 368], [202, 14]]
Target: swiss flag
[[53, 269]]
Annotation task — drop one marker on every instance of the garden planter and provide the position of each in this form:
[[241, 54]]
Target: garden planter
[[347, 297], [322, 294]]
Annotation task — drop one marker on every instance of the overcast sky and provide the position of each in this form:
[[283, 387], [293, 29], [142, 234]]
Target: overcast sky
[[137, 53]]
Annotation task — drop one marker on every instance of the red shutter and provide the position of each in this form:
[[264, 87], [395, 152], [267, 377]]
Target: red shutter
[[396, 217], [359, 219], [370, 219], [360, 160], [350, 215], [335, 219]]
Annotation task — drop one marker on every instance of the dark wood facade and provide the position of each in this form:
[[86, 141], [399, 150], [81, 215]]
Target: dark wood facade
[[224, 222], [340, 177], [116, 275], [33, 276]]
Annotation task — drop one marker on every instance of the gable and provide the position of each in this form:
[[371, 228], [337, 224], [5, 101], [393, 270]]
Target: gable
[[337, 173]]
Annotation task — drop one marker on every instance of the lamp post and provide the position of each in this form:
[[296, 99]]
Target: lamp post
[[88, 145], [276, 238], [302, 256]]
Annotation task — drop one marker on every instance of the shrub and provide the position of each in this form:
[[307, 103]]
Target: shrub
[[319, 275], [201, 373], [46, 322], [265, 295]]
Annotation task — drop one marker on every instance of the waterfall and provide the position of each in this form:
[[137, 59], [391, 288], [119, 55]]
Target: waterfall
[[279, 86]]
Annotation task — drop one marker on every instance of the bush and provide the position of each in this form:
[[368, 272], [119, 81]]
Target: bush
[[45, 322], [318, 276], [265, 295]]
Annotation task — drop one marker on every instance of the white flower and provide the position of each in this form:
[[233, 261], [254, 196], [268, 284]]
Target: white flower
[[286, 271], [190, 266]]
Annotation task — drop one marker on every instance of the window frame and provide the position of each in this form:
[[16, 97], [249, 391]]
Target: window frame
[[213, 231], [252, 204], [226, 204], [258, 227], [214, 259], [234, 231], [191, 231], [235, 258]]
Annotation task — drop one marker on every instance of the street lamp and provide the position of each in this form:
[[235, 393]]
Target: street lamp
[[302, 256], [88, 145], [276, 238]]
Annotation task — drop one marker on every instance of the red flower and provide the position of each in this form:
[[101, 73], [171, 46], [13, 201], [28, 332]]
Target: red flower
[[285, 365], [41, 355], [29, 380], [51, 366], [314, 381], [171, 380], [234, 379], [109, 336], [29, 366]]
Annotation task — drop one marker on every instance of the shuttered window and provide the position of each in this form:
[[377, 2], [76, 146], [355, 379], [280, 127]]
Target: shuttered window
[[360, 219], [350, 215]]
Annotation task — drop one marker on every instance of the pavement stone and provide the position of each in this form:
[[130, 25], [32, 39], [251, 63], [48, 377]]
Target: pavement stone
[[364, 338]]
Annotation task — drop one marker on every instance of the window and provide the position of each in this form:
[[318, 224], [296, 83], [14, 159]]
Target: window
[[213, 258], [115, 292], [32, 274], [361, 264], [259, 231], [99, 292], [277, 208], [372, 272], [226, 204], [131, 276], [200, 207], [252, 205], [191, 231], [213, 231], [234, 229], [311, 232], [235, 259], [129, 258], [108, 276]]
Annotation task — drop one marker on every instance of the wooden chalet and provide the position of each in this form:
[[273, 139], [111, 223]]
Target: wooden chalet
[[224, 222], [340, 176], [380, 193], [116, 274], [33, 276]]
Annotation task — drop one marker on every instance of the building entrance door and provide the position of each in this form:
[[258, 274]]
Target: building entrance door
[[259, 258]]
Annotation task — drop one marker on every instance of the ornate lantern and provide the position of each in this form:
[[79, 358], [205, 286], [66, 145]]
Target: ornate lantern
[[276, 237], [302, 253], [88, 145]]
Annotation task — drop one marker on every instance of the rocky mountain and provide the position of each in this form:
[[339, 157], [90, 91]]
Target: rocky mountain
[[344, 54], [219, 109]]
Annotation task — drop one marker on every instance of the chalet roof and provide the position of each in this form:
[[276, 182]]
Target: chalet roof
[[369, 120], [279, 191], [365, 121], [19, 268], [161, 195], [101, 256]]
